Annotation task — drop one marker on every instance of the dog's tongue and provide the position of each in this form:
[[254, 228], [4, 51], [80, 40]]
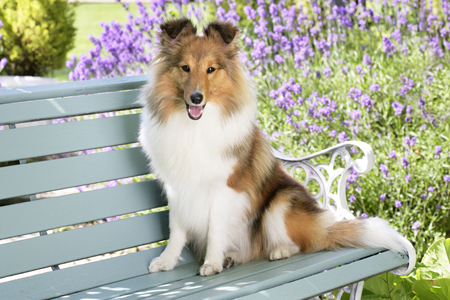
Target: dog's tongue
[[195, 111]]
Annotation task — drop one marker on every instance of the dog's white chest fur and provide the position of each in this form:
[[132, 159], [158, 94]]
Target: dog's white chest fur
[[190, 157]]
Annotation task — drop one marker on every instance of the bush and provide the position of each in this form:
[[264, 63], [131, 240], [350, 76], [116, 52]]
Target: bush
[[37, 34]]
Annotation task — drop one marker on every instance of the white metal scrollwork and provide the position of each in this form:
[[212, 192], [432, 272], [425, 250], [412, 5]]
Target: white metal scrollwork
[[339, 175]]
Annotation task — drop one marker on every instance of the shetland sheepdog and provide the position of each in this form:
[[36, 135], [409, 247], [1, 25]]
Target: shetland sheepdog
[[228, 195]]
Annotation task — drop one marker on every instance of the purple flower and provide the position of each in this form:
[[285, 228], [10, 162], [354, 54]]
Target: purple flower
[[354, 93], [374, 87], [364, 216], [358, 69], [385, 171], [408, 178], [382, 197], [355, 114], [342, 137], [3, 63], [279, 59], [405, 162], [398, 108], [424, 195], [250, 12], [415, 225], [345, 69], [392, 154], [397, 35], [437, 152], [352, 198], [367, 102], [367, 60], [398, 203], [431, 189], [326, 72], [352, 177], [332, 133], [446, 178], [388, 47]]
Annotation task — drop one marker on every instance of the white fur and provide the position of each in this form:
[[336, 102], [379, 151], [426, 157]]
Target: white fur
[[378, 233], [190, 159], [278, 242]]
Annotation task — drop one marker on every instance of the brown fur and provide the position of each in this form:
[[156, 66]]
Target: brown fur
[[180, 46]]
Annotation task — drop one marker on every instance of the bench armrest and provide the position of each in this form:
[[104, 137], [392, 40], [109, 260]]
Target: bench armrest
[[333, 201]]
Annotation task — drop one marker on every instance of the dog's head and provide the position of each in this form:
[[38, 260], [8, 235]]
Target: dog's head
[[203, 68]]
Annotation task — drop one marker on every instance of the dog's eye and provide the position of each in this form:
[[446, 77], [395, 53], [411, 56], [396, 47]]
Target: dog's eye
[[210, 70], [185, 68]]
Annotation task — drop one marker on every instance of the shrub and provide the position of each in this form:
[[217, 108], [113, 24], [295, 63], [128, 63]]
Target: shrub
[[37, 34]]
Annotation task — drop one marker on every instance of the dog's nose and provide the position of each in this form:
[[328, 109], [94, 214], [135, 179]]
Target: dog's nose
[[196, 98]]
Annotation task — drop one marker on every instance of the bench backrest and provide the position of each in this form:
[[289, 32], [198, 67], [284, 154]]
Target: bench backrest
[[52, 156]]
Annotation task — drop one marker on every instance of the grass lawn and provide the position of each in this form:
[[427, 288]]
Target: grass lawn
[[87, 22]]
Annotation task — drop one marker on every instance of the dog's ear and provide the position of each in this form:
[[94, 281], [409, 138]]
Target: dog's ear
[[174, 30], [226, 32]]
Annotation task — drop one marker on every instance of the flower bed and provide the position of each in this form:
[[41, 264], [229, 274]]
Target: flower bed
[[375, 72]]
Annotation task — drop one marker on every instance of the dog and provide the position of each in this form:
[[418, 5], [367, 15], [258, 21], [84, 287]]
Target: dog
[[228, 196]]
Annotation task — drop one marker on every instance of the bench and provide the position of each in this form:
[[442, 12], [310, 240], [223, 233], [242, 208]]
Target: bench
[[80, 218]]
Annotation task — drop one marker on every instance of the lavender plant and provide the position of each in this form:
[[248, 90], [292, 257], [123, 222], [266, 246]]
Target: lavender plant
[[374, 71], [4, 60]]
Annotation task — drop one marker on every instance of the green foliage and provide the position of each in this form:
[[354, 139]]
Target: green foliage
[[433, 275], [388, 286], [436, 262], [431, 280], [37, 34]]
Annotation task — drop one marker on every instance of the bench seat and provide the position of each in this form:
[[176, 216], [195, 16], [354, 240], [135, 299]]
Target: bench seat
[[75, 193], [285, 279]]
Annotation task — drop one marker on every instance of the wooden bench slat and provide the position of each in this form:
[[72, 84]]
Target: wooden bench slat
[[332, 279], [186, 270], [234, 282], [65, 89], [74, 279], [27, 179], [58, 248], [18, 112], [22, 143], [139, 286], [78, 208], [268, 275]]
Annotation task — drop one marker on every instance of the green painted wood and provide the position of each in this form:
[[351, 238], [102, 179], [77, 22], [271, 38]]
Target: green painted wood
[[82, 277], [270, 274], [48, 91], [17, 112], [332, 279], [138, 287], [22, 143], [21, 180], [78, 208], [150, 282], [66, 246]]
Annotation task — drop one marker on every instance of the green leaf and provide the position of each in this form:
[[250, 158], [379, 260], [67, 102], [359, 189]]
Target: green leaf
[[436, 261], [438, 289], [388, 286]]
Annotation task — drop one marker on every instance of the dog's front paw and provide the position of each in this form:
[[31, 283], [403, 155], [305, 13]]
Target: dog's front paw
[[283, 251], [210, 269], [162, 264]]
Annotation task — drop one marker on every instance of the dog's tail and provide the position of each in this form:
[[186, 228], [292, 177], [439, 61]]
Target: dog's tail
[[369, 233], [327, 234]]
